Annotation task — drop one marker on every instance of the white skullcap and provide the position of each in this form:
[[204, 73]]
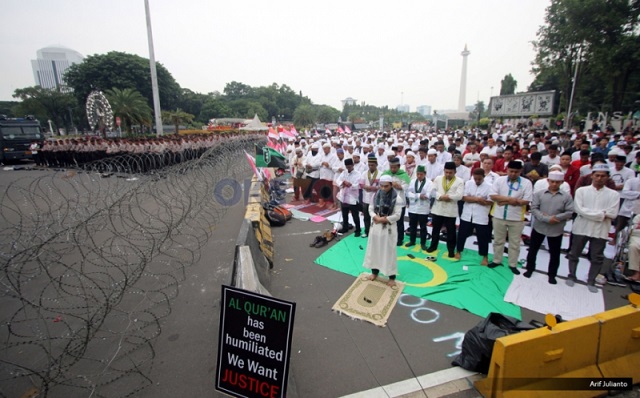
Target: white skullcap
[[389, 153], [327, 145], [315, 146], [600, 167], [614, 151], [409, 153], [556, 176], [555, 167], [386, 178], [432, 152]]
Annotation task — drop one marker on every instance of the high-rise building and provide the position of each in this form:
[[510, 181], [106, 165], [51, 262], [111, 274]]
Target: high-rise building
[[50, 65], [424, 110], [403, 108]]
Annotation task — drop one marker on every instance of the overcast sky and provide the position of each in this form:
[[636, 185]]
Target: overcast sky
[[369, 50]]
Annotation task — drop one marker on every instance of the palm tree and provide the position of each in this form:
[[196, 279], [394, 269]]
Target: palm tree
[[130, 106], [177, 117]]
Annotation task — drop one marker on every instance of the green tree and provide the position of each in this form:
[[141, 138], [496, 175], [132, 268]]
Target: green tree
[[478, 111], [46, 104], [192, 102], [236, 90], [130, 106], [304, 116], [177, 118], [508, 85], [121, 70], [214, 108], [246, 108], [326, 114], [599, 38]]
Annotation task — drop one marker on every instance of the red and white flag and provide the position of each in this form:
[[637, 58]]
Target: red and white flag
[[327, 131], [273, 134], [340, 130], [294, 131], [347, 130], [252, 162]]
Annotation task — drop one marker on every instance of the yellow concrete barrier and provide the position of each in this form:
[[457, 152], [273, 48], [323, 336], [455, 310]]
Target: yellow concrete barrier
[[619, 351], [522, 360]]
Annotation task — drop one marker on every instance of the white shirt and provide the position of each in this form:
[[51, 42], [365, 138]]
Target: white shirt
[[349, 195], [521, 189], [591, 205], [471, 158], [314, 162], [463, 172], [369, 179], [433, 170], [419, 205], [443, 157], [546, 159], [450, 208], [326, 173], [619, 177], [491, 177], [630, 193], [475, 212]]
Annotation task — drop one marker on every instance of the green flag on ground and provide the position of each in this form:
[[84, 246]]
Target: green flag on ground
[[479, 290], [269, 157]]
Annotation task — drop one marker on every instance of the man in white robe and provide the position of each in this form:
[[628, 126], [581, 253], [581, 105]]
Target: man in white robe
[[381, 252]]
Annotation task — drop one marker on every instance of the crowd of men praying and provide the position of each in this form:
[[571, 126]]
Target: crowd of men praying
[[488, 182]]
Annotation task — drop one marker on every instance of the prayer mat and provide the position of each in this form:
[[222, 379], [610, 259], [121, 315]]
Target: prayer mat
[[370, 301], [316, 210], [569, 302], [463, 284]]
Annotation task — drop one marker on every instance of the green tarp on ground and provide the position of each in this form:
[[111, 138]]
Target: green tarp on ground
[[477, 289]]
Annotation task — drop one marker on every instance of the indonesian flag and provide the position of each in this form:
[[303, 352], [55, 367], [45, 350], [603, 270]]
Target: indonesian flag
[[280, 128], [288, 134], [272, 144], [340, 130], [327, 131], [252, 162], [273, 134], [294, 131], [347, 129]]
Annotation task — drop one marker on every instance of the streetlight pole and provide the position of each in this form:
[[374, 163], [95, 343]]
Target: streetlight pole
[[573, 89], [154, 74]]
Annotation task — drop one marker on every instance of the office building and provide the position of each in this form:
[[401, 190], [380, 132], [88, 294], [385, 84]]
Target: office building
[[50, 65]]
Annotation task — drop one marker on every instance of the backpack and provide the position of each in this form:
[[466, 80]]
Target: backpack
[[275, 218]]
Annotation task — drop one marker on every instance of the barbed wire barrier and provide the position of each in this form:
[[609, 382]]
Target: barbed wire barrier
[[89, 266]]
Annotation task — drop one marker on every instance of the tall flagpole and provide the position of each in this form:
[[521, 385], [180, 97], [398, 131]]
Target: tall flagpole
[[154, 74]]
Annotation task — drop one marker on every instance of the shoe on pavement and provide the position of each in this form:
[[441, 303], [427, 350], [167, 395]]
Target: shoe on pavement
[[552, 280], [493, 265], [357, 234], [528, 274], [410, 244], [592, 288], [570, 282], [514, 270], [364, 235]]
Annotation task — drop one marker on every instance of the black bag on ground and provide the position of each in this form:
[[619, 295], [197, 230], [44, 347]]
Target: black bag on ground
[[478, 342]]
